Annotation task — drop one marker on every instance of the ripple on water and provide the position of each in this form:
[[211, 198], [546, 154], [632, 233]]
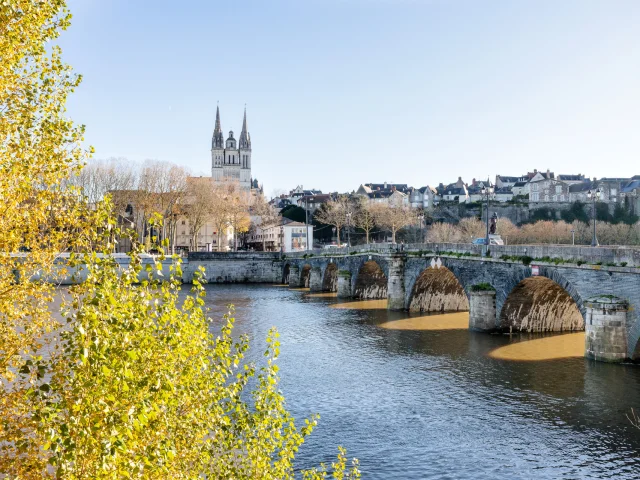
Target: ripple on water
[[546, 348]]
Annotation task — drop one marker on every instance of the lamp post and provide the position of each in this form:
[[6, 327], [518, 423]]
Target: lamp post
[[281, 239], [421, 218], [594, 195], [348, 229], [306, 219], [573, 237], [333, 229], [487, 194]]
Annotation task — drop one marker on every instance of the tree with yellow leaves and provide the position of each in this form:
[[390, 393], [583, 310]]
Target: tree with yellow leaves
[[132, 384]]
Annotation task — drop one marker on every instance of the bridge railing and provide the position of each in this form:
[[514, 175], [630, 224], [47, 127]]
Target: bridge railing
[[612, 255]]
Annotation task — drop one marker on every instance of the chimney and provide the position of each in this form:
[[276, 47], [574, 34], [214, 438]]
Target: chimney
[[385, 185]]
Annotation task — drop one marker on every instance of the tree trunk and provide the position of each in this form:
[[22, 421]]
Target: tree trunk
[[367, 232], [235, 239], [338, 233], [393, 235]]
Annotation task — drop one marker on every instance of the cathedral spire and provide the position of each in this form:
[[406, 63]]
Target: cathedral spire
[[245, 139], [218, 139]]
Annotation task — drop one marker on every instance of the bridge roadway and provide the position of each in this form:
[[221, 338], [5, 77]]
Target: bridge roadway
[[513, 289]]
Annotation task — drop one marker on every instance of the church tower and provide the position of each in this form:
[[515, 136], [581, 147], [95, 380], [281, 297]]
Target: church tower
[[244, 151], [217, 150], [231, 159]]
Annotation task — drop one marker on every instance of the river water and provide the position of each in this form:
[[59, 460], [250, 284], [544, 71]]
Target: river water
[[422, 397]]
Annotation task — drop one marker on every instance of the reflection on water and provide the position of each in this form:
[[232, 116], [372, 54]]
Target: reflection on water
[[363, 305], [417, 402], [532, 348], [323, 295], [300, 289], [445, 321]]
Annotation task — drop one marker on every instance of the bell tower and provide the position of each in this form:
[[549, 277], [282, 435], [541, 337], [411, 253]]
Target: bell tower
[[217, 150], [244, 152]]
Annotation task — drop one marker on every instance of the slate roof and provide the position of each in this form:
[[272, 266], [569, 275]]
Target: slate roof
[[631, 186], [508, 179], [401, 187], [384, 193], [424, 189], [582, 187], [570, 178]]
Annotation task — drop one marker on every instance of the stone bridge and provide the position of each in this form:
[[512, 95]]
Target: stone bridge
[[511, 289]]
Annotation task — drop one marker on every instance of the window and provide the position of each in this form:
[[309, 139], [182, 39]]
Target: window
[[613, 192], [535, 197], [546, 198], [562, 198], [183, 222], [558, 188], [555, 198], [534, 187]]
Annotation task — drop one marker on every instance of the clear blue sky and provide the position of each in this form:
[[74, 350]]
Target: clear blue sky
[[342, 92]]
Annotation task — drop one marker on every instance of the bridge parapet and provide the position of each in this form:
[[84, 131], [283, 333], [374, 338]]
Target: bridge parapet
[[611, 255]]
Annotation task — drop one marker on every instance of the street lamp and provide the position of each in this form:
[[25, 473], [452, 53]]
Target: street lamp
[[349, 229], [594, 195], [573, 236], [421, 218], [487, 193]]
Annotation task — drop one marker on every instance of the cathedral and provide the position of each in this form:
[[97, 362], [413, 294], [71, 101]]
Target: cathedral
[[231, 161]]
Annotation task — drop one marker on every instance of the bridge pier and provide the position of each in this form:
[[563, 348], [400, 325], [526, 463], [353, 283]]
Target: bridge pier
[[315, 280], [482, 311], [344, 284], [294, 276], [606, 329], [395, 282]]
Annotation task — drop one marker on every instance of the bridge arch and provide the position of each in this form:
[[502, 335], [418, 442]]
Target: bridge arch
[[330, 278], [437, 290], [544, 303], [370, 282], [305, 275]]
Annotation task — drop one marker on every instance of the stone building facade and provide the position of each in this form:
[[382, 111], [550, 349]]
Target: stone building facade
[[231, 160]]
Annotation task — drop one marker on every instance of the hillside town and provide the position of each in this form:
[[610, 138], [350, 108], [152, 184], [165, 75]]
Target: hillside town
[[228, 210]]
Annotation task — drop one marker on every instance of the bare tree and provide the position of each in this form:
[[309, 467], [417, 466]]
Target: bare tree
[[471, 228], [334, 212], [101, 177], [267, 216], [238, 203], [198, 206], [443, 233], [365, 217], [394, 218]]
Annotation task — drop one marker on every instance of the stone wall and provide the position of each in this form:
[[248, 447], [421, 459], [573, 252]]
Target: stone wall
[[235, 267]]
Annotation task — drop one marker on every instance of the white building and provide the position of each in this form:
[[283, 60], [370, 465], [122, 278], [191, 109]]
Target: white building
[[287, 236]]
